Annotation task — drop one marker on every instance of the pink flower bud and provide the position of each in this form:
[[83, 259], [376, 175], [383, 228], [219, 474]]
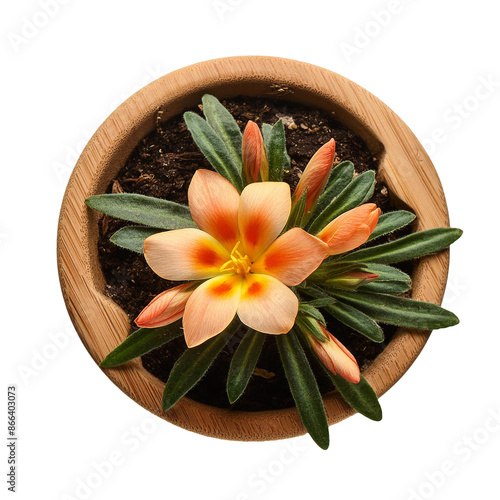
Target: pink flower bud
[[351, 279], [315, 175], [351, 229], [255, 164], [335, 356]]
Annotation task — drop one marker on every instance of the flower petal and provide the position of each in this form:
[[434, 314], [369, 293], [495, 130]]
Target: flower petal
[[336, 357], [292, 257], [316, 174], [166, 307], [211, 308], [267, 305], [184, 254], [351, 229], [214, 202], [263, 212]]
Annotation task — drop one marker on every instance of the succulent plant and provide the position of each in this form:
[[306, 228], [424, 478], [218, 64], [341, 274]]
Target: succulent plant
[[249, 252]]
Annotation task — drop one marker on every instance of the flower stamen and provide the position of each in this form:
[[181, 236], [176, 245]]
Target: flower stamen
[[238, 263]]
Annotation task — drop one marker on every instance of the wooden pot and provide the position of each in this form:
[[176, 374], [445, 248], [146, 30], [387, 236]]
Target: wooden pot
[[101, 324]]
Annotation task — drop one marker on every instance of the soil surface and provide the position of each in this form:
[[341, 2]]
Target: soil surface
[[162, 166]]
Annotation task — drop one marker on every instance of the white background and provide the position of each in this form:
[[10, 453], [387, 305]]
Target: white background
[[427, 60]]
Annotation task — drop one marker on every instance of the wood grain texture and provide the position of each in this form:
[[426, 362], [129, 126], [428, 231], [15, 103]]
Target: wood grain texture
[[102, 325]]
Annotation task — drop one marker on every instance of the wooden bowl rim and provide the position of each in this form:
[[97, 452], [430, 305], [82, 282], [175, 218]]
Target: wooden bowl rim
[[101, 324]]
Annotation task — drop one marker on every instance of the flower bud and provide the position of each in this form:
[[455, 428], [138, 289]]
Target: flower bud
[[351, 229], [315, 175], [335, 356], [351, 279], [166, 308], [255, 164]]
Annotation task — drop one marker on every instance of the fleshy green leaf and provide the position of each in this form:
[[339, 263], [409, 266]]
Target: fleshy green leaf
[[141, 342], [276, 150], [326, 301], [214, 149], [310, 310], [356, 320], [349, 316], [297, 213], [133, 237], [359, 396], [243, 363], [393, 287], [225, 126], [304, 388], [152, 212], [192, 365], [287, 162], [387, 273], [356, 193], [409, 247], [398, 310], [340, 177], [266, 134], [310, 325], [389, 222]]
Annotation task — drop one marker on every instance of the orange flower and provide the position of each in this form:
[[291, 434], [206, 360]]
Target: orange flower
[[240, 263], [315, 175], [253, 152], [351, 229], [335, 356]]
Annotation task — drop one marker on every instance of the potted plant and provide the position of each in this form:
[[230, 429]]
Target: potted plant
[[313, 242]]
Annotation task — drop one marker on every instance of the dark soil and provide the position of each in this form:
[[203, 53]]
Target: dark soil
[[162, 166]]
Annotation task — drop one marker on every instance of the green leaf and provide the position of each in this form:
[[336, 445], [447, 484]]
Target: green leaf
[[349, 316], [309, 309], [266, 134], [387, 273], [152, 212], [389, 222], [393, 287], [304, 388], [326, 301], [276, 151], [398, 310], [214, 149], [355, 319], [287, 162], [340, 177], [297, 213], [356, 193], [133, 237], [243, 363], [409, 247], [359, 396], [141, 342], [225, 126], [193, 364], [310, 326]]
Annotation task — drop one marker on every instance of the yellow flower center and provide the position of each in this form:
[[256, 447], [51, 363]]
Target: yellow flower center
[[238, 263]]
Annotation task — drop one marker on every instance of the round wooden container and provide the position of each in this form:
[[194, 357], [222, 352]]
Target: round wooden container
[[102, 325]]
